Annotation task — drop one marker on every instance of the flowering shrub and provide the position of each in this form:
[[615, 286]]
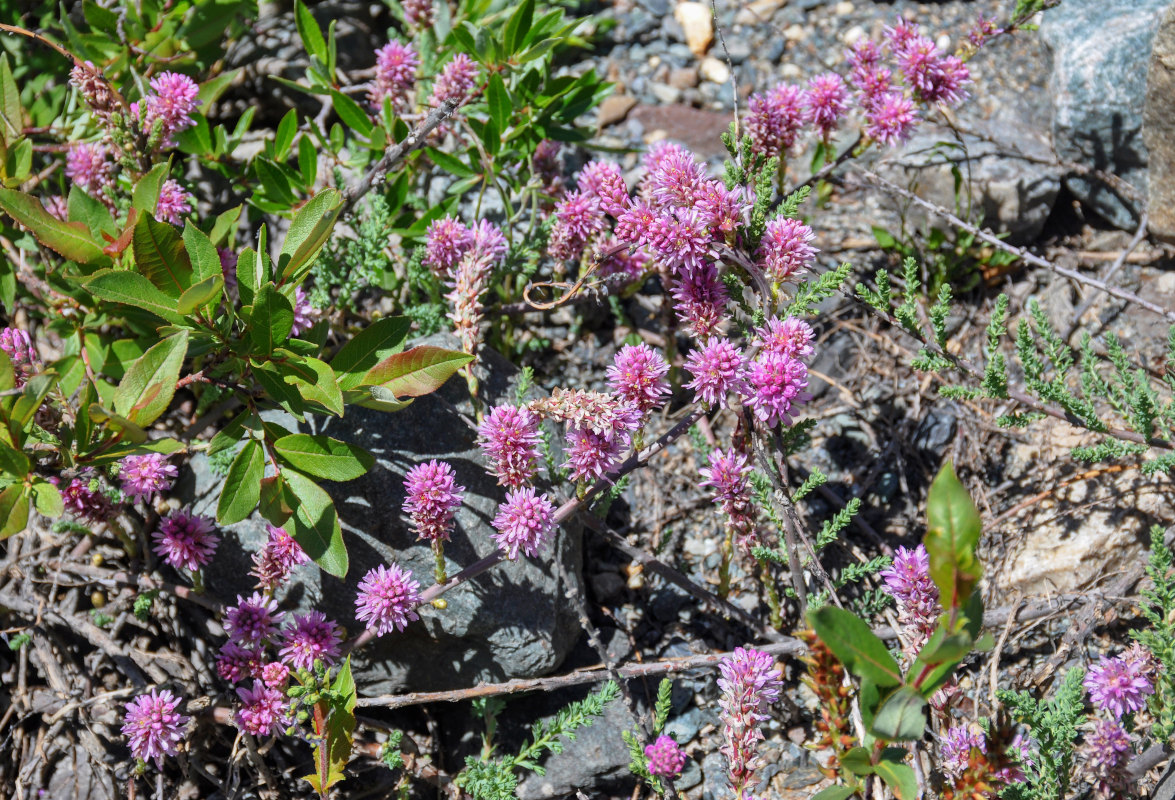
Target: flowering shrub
[[151, 318]]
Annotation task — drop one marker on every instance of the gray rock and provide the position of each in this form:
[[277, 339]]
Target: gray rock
[[512, 621], [656, 7], [690, 777], [738, 48], [1099, 53], [936, 430], [1158, 130], [715, 784], [1011, 193], [597, 756]]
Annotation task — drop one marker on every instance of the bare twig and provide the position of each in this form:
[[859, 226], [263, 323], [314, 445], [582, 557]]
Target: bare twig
[[397, 153], [1139, 235], [1019, 252]]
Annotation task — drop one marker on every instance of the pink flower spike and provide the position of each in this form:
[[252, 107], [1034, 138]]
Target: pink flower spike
[[1118, 687], [637, 376], [154, 726], [700, 299], [891, 118], [727, 475], [604, 182], [275, 675], [775, 385], [174, 202], [456, 81], [280, 554], [235, 662], [509, 437], [263, 710], [85, 502], [448, 240], [312, 638], [173, 101], [88, 166], [387, 599], [826, 101], [304, 313], [666, 759], [774, 119], [254, 621], [908, 582], [146, 475], [395, 74], [433, 497], [955, 748], [790, 337], [786, 249], [418, 13], [185, 540], [717, 369], [592, 455], [525, 522], [750, 683]]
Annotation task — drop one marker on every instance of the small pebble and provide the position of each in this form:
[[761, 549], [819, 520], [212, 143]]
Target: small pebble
[[795, 33], [843, 8], [714, 70]]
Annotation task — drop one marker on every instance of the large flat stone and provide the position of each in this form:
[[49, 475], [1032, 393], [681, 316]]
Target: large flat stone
[[513, 621]]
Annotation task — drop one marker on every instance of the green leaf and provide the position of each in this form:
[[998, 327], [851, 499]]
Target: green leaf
[[146, 194], [324, 457], [351, 113], [11, 122], [309, 31], [13, 463], [498, 99], [72, 240], [280, 392], [314, 380], [14, 510], [159, 254], [316, 524], [858, 761], [133, 289], [130, 431], [450, 164], [308, 233], [242, 485], [251, 274], [307, 161], [47, 499], [374, 343], [284, 136], [273, 505], [901, 716], [272, 319], [464, 38], [834, 793], [35, 392], [900, 779], [200, 294], [850, 640], [202, 253], [149, 385], [377, 398], [953, 530], [90, 211], [518, 26], [416, 372]]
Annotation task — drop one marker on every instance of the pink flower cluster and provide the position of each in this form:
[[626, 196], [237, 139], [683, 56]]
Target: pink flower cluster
[[907, 580], [509, 437], [263, 710], [433, 496], [418, 13], [776, 118], [524, 523], [18, 346], [173, 99], [395, 75], [254, 624], [1107, 751], [1120, 686], [185, 540], [89, 166], [146, 475], [457, 80], [727, 474], [637, 376], [387, 599], [153, 726], [85, 501], [665, 757], [955, 753], [174, 202], [750, 683], [280, 554]]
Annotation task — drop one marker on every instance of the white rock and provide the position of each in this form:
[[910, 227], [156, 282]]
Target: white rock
[[943, 43], [714, 70], [758, 11], [843, 8], [698, 23], [790, 71], [853, 35], [794, 32]]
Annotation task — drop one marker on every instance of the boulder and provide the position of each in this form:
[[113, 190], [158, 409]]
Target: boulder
[[1158, 130], [1099, 53], [697, 23], [513, 621]]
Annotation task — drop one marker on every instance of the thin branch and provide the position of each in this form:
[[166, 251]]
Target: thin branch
[[397, 153], [1019, 252], [1139, 235]]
